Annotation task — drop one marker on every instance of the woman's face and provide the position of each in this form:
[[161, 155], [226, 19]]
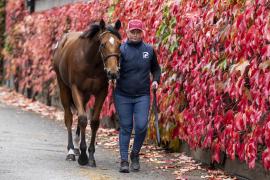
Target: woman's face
[[135, 35]]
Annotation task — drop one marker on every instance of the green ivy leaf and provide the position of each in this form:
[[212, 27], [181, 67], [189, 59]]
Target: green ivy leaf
[[223, 64], [110, 11]]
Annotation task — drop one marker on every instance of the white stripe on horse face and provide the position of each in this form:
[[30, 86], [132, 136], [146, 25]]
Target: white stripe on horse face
[[71, 151], [111, 40]]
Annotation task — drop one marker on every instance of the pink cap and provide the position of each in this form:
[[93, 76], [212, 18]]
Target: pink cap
[[135, 24]]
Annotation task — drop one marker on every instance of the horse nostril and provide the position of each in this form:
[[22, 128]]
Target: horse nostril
[[109, 74], [113, 76]]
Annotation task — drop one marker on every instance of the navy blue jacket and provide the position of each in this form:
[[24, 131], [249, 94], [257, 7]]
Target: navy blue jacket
[[136, 63]]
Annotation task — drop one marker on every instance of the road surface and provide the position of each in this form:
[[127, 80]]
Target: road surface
[[34, 148]]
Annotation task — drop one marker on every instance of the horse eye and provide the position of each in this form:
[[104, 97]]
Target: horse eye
[[102, 45]]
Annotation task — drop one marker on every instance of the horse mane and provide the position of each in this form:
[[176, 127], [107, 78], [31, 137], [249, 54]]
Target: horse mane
[[91, 31], [95, 28], [114, 31]]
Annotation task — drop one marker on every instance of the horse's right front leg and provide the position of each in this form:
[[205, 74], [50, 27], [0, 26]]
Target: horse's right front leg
[[82, 121]]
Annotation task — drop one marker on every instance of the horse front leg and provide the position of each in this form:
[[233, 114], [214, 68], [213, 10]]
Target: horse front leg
[[82, 121], [99, 100]]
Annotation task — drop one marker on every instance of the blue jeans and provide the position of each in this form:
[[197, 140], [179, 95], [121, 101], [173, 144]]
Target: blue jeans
[[132, 110]]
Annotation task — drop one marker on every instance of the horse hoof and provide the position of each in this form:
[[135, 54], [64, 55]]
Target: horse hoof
[[92, 163], [70, 157], [77, 152], [83, 160]]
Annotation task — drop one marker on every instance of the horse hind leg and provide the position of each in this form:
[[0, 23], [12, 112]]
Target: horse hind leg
[[77, 138], [68, 122], [66, 100]]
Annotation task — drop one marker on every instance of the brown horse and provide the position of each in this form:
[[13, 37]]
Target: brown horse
[[84, 63]]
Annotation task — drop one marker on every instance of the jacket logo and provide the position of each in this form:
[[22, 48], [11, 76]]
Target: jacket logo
[[145, 55]]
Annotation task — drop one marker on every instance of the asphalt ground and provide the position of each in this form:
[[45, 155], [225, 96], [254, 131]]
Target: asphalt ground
[[34, 148]]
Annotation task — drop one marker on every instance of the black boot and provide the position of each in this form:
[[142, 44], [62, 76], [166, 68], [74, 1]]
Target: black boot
[[124, 167], [135, 162]]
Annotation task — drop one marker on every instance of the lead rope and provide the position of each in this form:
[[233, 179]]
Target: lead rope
[[112, 85], [155, 110]]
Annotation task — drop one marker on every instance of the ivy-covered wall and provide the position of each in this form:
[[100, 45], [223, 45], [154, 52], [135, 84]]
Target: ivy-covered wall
[[2, 31], [215, 56]]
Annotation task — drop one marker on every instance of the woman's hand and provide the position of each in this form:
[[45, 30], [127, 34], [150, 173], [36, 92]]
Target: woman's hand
[[154, 85]]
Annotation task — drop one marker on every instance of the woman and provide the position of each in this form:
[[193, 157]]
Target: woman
[[132, 93]]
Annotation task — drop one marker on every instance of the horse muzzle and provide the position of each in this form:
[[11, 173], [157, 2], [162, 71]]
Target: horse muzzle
[[113, 75]]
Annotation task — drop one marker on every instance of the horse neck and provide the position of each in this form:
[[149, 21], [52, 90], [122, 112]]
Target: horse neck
[[92, 50]]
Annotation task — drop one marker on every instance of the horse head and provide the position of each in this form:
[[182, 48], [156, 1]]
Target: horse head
[[110, 41]]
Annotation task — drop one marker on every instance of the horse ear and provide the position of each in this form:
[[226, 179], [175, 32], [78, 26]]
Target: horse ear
[[117, 25], [102, 24]]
